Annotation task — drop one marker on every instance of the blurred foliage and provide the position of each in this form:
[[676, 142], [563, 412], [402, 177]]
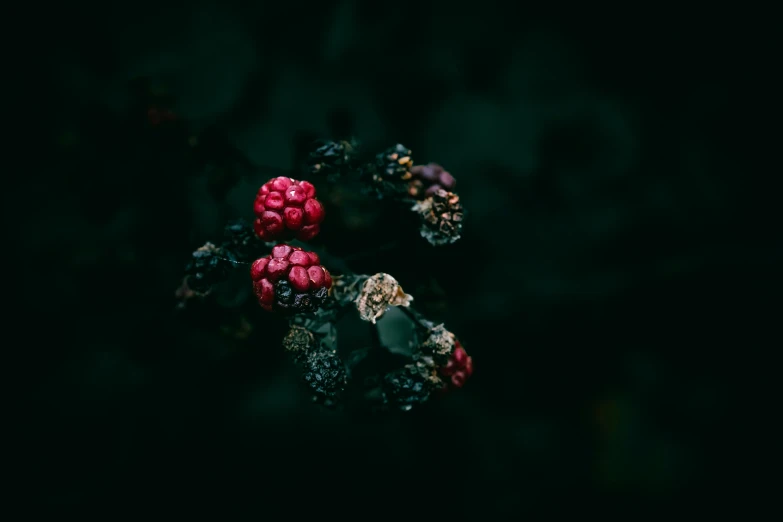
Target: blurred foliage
[[605, 212]]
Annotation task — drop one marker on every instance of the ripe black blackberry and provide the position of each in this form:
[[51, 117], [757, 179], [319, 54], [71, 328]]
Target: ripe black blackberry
[[209, 265], [410, 385], [242, 241], [288, 299], [324, 374]]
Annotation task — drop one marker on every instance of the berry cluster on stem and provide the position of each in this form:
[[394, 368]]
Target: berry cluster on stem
[[293, 282]]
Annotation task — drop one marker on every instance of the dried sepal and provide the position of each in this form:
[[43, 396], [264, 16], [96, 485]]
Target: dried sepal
[[299, 342], [377, 294], [441, 217], [439, 344]]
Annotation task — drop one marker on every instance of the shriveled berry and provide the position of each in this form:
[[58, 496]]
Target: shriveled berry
[[286, 209], [294, 279], [441, 217], [390, 173]]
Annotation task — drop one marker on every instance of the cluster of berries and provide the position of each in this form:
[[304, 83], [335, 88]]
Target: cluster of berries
[[286, 209], [291, 280]]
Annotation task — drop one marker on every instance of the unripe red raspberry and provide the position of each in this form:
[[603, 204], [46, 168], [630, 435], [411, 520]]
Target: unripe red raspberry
[[290, 280], [459, 366], [285, 209]]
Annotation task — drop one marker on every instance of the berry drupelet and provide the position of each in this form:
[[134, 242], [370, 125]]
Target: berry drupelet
[[458, 368], [290, 280], [285, 209]]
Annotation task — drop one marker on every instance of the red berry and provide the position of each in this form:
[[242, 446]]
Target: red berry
[[290, 280], [285, 209], [313, 212], [316, 275], [458, 379], [459, 366], [308, 232]]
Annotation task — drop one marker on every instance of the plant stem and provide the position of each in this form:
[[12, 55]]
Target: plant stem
[[375, 337], [416, 317]]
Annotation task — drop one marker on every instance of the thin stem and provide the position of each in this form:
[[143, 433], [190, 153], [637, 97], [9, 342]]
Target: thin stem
[[375, 337], [416, 317]]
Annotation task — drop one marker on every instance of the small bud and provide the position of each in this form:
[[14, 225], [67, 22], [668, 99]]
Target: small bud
[[377, 294]]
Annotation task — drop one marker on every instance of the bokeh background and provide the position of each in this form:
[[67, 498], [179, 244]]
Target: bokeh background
[[595, 284]]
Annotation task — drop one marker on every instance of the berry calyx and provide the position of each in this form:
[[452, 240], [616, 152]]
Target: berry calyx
[[441, 217], [285, 209], [290, 280], [458, 368]]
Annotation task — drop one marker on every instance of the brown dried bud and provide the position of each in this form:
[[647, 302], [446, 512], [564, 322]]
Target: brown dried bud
[[439, 344], [441, 215], [378, 293], [299, 342]]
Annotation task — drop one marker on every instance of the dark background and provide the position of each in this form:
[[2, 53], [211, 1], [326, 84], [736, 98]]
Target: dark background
[[596, 285]]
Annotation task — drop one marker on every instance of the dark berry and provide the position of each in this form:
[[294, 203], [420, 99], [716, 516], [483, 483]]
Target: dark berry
[[324, 374], [390, 174], [331, 157], [285, 209], [242, 241], [290, 280], [208, 266], [410, 385], [300, 343]]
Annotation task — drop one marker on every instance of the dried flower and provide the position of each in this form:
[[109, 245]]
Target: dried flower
[[378, 293]]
